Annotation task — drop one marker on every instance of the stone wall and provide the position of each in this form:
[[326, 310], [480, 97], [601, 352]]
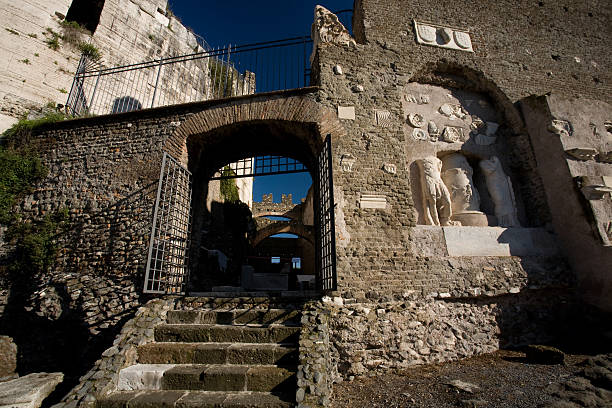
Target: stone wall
[[33, 74], [572, 141]]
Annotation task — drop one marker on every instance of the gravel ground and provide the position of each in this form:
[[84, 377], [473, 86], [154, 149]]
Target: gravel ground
[[504, 379]]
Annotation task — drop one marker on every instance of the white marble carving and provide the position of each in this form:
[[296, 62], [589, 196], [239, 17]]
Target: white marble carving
[[416, 120], [389, 168], [433, 130], [582, 153], [463, 40], [444, 37], [435, 197], [346, 162], [457, 175], [500, 189], [346, 112], [478, 125], [453, 111], [426, 33], [383, 118], [375, 201], [595, 187], [453, 134], [328, 29], [419, 134], [561, 127]]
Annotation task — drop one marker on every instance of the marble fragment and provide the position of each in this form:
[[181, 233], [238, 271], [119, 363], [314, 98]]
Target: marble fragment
[[327, 28], [346, 112], [419, 134], [442, 36], [389, 168], [375, 201], [416, 120], [383, 118], [346, 162], [435, 198], [500, 189], [453, 134], [561, 128], [582, 153]]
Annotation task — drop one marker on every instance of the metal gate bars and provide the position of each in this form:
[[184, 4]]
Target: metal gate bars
[[167, 263], [325, 239], [167, 270]]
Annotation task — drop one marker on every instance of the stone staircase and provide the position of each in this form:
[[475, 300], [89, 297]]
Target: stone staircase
[[215, 358]]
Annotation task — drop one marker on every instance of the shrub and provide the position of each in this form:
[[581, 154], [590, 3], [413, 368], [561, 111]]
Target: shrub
[[90, 50], [18, 172], [229, 190]]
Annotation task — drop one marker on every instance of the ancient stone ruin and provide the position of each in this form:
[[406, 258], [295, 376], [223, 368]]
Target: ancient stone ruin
[[460, 203]]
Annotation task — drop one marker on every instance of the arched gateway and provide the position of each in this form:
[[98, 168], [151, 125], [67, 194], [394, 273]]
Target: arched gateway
[[291, 126]]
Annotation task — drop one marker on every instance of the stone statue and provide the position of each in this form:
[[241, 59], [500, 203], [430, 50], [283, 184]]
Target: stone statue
[[457, 175], [328, 29], [434, 194], [500, 189]]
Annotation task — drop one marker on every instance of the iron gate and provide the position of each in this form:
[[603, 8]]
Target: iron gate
[[167, 263], [325, 238]]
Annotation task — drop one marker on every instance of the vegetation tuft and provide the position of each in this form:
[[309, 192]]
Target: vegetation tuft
[[35, 245], [89, 50], [229, 190]]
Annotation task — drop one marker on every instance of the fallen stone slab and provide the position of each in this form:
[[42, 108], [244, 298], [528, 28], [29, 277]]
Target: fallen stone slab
[[463, 386], [28, 391]]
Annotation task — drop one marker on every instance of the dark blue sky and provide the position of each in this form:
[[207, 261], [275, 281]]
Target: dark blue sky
[[244, 22]]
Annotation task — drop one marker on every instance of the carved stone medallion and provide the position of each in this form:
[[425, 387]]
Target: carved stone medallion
[[419, 134], [416, 120]]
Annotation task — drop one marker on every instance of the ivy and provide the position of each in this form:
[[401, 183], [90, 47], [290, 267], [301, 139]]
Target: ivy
[[18, 172], [229, 190], [34, 242]]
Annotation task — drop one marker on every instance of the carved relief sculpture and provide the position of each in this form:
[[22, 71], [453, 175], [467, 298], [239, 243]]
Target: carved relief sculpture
[[328, 29], [457, 175], [434, 194], [500, 189]]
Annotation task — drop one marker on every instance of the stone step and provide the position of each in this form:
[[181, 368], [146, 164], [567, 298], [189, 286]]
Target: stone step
[[239, 316], [217, 353], [195, 399], [207, 377], [203, 333], [229, 378]]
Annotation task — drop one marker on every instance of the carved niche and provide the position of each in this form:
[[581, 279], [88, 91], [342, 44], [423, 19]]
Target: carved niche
[[459, 129]]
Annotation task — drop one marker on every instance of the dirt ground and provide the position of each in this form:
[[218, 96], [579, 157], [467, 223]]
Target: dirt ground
[[504, 379]]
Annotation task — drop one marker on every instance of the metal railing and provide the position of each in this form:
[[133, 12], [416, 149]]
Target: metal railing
[[213, 74]]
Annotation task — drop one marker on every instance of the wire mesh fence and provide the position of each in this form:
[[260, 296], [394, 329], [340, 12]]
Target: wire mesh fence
[[212, 74]]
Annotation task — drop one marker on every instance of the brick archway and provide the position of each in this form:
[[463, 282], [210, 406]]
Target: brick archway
[[283, 108]]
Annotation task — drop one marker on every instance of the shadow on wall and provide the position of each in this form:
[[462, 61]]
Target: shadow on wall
[[64, 321], [559, 318], [125, 104]]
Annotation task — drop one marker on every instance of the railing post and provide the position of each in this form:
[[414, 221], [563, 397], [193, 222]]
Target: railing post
[[93, 94], [75, 88], [156, 83]]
